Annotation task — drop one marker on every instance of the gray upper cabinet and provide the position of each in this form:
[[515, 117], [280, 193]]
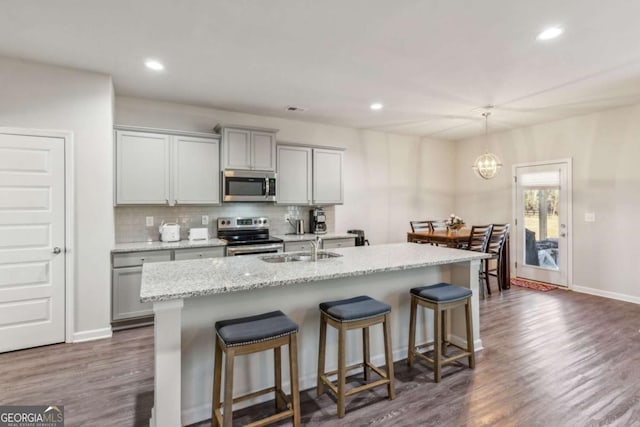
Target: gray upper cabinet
[[197, 171], [166, 168], [294, 175], [309, 176], [327, 177], [250, 149], [142, 168], [237, 149]]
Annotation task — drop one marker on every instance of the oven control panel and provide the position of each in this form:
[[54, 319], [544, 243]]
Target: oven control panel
[[240, 223]]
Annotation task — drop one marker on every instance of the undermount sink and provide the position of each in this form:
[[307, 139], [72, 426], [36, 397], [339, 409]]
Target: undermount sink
[[300, 256]]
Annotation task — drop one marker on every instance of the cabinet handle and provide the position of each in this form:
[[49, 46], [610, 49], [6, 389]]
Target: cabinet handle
[[166, 201], [142, 260]]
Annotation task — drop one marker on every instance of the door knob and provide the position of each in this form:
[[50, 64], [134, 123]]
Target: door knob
[[57, 250]]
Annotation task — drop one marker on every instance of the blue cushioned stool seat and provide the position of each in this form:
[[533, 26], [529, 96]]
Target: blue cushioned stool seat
[[357, 308], [442, 292], [253, 329]]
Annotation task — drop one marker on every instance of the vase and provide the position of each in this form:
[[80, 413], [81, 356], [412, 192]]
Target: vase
[[453, 229]]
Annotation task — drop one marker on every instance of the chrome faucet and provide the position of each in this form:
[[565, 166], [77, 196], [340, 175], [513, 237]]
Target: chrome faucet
[[315, 245]]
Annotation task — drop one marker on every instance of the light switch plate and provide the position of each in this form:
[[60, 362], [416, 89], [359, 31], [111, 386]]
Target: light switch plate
[[205, 219], [589, 217], [149, 221]]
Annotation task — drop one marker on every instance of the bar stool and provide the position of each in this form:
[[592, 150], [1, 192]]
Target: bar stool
[[440, 298], [354, 313], [253, 334]]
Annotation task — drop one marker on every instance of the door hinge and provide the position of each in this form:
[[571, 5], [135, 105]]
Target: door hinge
[[516, 264], [516, 221], [515, 179]]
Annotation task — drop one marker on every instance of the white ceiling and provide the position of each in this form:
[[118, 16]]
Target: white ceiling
[[433, 63]]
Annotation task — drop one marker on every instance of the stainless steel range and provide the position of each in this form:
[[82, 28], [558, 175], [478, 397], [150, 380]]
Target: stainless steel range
[[247, 236]]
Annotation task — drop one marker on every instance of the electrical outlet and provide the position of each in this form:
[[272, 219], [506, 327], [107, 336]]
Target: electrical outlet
[[589, 217], [149, 221], [205, 219]]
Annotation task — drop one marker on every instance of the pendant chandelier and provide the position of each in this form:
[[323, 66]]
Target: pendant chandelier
[[488, 164]]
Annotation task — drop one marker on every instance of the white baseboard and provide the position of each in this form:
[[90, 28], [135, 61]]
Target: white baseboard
[[91, 335], [606, 294], [462, 342]]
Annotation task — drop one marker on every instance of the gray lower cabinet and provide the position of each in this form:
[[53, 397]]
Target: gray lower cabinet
[[125, 285], [126, 279], [126, 295], [338, 243]]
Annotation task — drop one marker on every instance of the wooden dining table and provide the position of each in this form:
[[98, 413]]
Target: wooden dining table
[[457, 239]]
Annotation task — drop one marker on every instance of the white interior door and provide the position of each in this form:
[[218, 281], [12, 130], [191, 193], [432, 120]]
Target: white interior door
[[542, 205], [32, 241]]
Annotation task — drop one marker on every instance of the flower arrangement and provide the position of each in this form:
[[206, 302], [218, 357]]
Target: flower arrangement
[[454, 222]]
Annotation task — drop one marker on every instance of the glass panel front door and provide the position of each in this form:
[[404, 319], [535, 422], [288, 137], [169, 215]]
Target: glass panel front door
[[541, 234]]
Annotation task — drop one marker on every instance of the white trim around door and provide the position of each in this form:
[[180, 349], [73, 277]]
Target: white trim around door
[[515, 263], [69, 217]]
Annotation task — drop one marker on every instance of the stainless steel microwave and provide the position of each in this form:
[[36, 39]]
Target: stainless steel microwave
[[248, 186]]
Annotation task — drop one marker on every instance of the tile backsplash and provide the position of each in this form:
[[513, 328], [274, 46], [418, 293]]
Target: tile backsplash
[[130, 221]]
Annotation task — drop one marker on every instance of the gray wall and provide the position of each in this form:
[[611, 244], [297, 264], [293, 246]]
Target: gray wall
[[40, 96], [605, 149]]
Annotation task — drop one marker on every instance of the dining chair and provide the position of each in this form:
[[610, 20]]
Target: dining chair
[[420, 226], [496, 248], [438, 224], [479, 238]]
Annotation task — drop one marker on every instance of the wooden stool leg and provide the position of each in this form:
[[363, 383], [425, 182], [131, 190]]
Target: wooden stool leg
[[293, 376], [277, 371], [321, 355], [217, 378], [388, 350], [470, 343], [437, 344], [412, 331], [227, 420], [444, 332], [365, 352], [342, 370]]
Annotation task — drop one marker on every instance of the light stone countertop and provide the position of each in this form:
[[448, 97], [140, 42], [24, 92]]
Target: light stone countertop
[[163, 281], [158, 246], [310, 236]]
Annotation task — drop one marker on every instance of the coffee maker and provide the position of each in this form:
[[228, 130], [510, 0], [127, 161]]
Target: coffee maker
[[317, 221]]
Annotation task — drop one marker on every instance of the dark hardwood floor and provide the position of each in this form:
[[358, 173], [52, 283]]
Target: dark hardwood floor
[[550, 359]]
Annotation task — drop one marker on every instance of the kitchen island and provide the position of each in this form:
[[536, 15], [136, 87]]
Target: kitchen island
[[190, 296]]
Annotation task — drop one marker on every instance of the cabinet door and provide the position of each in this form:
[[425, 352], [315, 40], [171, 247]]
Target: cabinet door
[[338, 243], [142, 168], [236, 149], [263, 151], [293, 185], [327, 176], [126, 294], [197, 171]]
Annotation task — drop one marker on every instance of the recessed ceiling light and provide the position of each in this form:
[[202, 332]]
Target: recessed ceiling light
[[550, 33], [154, 65], [376, 106]]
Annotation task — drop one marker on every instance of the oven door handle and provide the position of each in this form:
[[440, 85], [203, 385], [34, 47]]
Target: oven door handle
[[253, 248]]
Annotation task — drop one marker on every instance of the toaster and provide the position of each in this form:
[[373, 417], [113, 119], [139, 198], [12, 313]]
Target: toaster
[[198, 234], [169, 232]]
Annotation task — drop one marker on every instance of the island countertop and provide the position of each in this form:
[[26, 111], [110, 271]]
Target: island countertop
[[165, 281]]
